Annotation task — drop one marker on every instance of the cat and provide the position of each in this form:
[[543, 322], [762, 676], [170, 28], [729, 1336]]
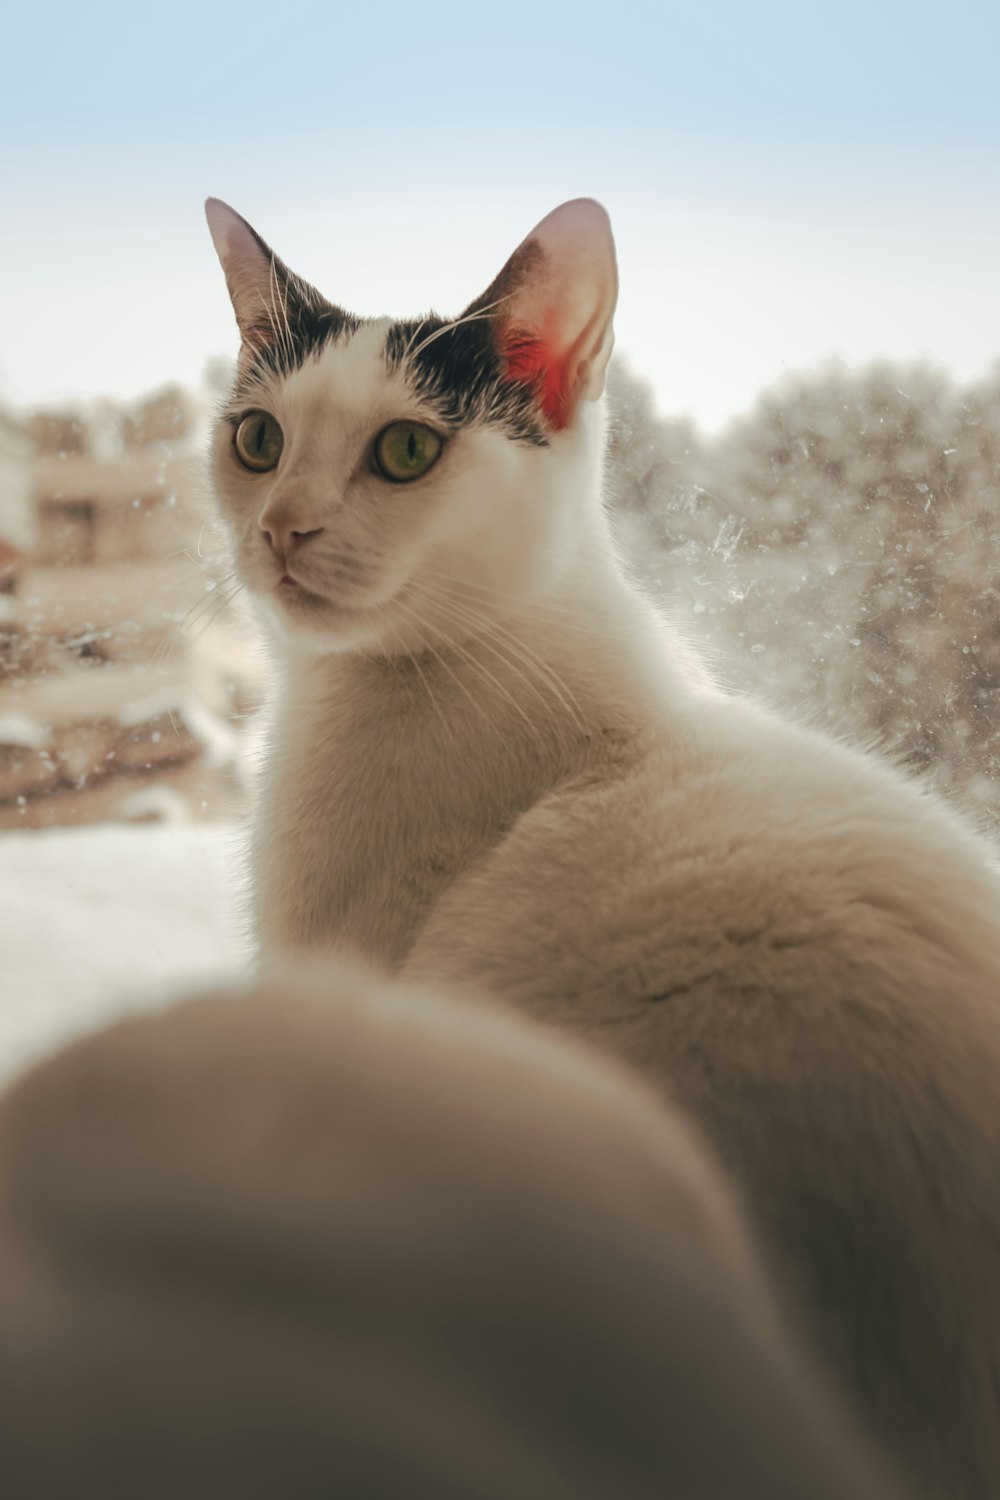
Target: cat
[[325, 1236], [492, 762]]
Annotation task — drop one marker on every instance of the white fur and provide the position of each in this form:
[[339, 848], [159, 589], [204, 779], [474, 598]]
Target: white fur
[[503, 769]]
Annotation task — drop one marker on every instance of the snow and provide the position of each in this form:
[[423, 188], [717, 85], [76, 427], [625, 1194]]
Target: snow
[[23, 733], [99, 921]]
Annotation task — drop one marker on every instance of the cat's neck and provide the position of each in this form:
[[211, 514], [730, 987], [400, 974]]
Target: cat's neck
[[391, 774], [590, 656]]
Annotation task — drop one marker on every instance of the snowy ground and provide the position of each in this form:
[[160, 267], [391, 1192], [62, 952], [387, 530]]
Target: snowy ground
[[96, 921]]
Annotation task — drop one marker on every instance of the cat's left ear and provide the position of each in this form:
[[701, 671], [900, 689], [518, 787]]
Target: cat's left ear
[[553, 305], [266, 296]]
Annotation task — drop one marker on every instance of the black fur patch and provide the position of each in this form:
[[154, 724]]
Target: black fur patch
[[295, 324], [460, 366], [459, 369]]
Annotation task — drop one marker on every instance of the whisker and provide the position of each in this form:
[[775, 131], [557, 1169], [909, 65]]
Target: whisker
[[279, 330], [485, 672], [439, 333], [190, 617], [412, 340], [223, 604], [480, 315], [413, 658], [546, 673], [516, 651], [492, 678], [190, 563], [495, 627], [442, 662], [284, 310], [211, 593], [256, 344]]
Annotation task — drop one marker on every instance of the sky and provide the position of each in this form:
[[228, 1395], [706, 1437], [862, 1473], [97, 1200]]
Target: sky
[[787, 183]]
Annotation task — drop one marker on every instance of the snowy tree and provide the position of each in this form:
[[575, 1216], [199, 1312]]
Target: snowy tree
[[834, 550]]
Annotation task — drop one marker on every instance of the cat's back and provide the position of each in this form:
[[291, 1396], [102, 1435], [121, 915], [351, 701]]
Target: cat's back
[[805, 949], [733, 847]]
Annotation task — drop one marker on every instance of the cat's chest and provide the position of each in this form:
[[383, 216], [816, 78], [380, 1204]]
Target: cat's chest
[[366, 817], [364, 779], [344, 791]]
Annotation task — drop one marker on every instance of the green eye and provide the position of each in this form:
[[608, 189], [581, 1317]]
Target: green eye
[[405, 450], [259, 441]]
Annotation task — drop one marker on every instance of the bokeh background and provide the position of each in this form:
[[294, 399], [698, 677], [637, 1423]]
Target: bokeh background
[[805, 424]]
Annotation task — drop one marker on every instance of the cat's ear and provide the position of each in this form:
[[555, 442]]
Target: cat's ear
[[262, 289], [553, 305]]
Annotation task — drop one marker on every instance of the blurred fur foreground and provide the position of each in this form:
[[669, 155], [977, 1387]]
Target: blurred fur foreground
[[328, 1236]]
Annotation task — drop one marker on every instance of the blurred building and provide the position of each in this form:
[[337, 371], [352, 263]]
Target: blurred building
[[17, 508], [116, 700]]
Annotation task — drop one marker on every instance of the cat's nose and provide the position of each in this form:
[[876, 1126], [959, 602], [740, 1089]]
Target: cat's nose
[[284, 539]]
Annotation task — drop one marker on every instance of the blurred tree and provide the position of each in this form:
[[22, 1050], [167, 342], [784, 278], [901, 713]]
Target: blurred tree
[[834, 549]]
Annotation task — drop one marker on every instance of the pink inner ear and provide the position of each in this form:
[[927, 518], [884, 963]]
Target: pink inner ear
[[536, 361]]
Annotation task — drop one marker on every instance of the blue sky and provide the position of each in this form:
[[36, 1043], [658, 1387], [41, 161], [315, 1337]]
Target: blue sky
[[786, 183]]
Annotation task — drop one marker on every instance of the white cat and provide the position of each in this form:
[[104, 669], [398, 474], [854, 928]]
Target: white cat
[[491, 761], [329, 1237]]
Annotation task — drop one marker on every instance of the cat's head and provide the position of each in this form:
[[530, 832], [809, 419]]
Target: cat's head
[[388, 485]]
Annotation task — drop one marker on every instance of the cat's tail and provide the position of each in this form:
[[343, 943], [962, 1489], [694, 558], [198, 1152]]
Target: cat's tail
[[327, 1236]]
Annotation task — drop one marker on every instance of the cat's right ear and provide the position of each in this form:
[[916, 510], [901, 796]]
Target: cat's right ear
[[259, 283], [553, 305]]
